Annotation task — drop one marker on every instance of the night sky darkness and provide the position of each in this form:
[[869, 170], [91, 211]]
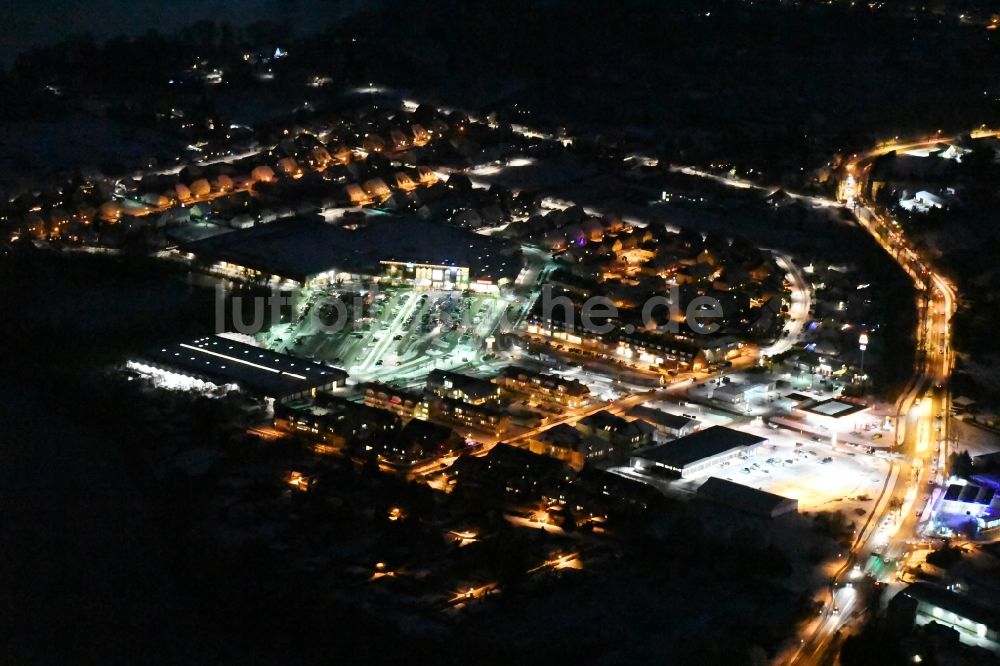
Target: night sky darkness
[[28, 23]]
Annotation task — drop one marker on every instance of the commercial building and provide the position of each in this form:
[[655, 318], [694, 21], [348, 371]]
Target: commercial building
[[745, 499], [411, 251], [834, 414], [223, 361], [965, 502], [967, 499], [812, 362], [698, 453], [742, 392], [923, 603], [426, 276], [986, 462]]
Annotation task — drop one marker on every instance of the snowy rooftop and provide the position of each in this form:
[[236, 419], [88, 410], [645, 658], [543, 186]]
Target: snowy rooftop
[[226, 361], [299, 249]]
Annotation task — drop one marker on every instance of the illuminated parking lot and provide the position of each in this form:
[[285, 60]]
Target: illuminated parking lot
[[400, 334], [818, 476]]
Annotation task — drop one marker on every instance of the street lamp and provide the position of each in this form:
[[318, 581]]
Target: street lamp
[[863, 345]]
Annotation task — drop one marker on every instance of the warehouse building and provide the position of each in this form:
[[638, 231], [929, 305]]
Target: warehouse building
[[698, 453], [741, 392], [746, 499], [834, 414], [222, 361], [976, 623]]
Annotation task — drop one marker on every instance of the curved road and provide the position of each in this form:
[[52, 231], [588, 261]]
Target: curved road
[[922, 410]]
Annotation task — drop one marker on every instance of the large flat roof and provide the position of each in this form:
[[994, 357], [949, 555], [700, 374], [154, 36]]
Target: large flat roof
[[689, 449], [833, 408], [745, 498], [298, 249], [739, 388], [966, 607], [225, 361], [970, 494]]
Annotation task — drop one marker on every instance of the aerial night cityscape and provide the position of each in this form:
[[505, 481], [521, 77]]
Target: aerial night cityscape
[[521, 332]]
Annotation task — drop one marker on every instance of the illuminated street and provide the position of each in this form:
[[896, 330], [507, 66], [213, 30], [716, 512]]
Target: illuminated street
[[626, 333]]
